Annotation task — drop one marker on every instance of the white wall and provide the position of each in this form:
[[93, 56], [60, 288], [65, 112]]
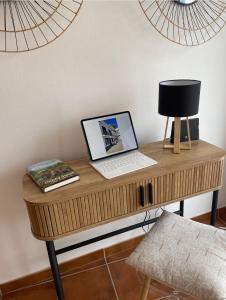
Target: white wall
[[110, 59]]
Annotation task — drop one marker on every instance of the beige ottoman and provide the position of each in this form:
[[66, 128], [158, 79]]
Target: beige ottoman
[[183, 254]]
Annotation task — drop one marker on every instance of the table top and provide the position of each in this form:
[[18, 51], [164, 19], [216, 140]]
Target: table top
[[91, 180]]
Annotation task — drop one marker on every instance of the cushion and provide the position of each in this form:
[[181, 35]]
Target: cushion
[[186, 255]]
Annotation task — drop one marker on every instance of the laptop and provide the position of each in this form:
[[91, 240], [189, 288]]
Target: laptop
[[112, 145]]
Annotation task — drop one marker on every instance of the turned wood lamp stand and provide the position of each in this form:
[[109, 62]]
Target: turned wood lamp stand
[[178, 98]]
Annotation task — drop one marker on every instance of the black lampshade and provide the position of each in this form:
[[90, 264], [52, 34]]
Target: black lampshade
[[179, 98]]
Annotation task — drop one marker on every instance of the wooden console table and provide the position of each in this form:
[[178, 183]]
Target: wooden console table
[[95, 200]]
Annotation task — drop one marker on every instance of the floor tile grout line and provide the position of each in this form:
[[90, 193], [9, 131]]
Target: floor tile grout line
[[28, 287], [51, 280], [64, 276], [79, 272], [69, 273], [109, 272], [82, 266], [223, 223], [115, 261]]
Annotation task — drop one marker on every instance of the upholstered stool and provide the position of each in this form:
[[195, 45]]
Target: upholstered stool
[[185, 255]]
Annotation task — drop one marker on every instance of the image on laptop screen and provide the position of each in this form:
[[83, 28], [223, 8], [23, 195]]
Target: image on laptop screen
[[109, 135]]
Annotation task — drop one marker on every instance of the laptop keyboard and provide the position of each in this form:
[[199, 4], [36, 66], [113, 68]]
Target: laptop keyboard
[[122, 164]]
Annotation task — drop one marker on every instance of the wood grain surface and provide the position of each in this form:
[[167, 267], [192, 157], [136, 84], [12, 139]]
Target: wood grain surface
[[95, 200]]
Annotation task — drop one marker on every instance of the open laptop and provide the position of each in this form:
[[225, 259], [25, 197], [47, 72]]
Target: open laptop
[[112, 145]]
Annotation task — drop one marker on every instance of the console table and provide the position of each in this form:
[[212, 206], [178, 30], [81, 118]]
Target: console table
[[95, 200]]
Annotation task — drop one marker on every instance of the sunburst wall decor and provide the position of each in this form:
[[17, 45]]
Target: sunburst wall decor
[[30, 24], [186, 22]]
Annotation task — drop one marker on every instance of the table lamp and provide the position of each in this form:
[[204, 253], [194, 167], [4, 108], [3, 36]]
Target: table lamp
[[178, 99]]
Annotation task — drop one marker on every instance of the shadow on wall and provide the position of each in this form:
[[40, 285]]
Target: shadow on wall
[[19, 249], [13, 219], [71, 143], [223, 190]]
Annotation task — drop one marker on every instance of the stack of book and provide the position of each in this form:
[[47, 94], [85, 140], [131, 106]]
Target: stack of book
[[52, 174]]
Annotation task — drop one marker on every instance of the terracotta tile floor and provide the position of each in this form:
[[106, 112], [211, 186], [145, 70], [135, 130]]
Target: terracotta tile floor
[[106, 278]]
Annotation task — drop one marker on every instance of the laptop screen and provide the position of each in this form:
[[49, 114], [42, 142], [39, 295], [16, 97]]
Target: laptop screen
[[109, 135]]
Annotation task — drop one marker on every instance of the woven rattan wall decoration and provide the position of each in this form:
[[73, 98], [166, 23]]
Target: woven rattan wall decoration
[[186, 22], [30, 24]]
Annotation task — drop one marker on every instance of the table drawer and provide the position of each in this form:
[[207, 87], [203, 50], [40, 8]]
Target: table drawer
[[184, 183], [50, 221]]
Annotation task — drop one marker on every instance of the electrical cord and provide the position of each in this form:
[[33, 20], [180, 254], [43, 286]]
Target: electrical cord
[[147, 217]]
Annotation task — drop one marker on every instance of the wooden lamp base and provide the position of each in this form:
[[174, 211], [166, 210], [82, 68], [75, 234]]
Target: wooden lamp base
[[177, 146]]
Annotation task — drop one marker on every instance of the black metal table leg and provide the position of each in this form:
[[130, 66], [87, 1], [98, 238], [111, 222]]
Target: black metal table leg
[[55, 269], [182, 208], [214, 208]]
